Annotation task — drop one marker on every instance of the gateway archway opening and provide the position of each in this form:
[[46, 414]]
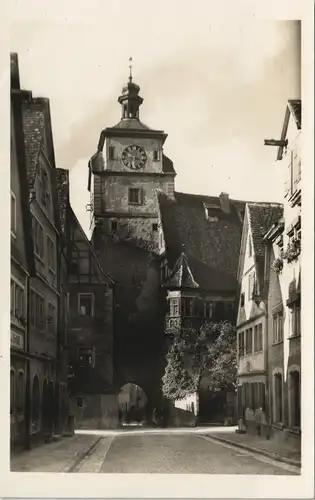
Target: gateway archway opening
[[132, 402]]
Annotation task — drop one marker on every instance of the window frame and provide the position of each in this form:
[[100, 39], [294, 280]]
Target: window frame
[[14, 219], [13, 299], [156, 155], [51, 252], [90, 294], [139, 199], [36, 224], [51, 325], [37, 303], [111, 152], [86, 348]]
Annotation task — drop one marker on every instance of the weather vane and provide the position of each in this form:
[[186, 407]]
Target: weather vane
[[130, 68]]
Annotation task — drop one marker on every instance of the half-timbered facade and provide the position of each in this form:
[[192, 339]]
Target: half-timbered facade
[[90, 322]]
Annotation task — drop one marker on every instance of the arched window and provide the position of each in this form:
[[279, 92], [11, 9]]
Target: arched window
[[12, 391], [20, 392], [35, 403], [278, 397]]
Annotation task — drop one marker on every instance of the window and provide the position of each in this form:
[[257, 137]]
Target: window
[[250, 250], [111, 152], [277, 399], [13, 214], [251, 285], [114, 226], [296, 170], [38, 237], [154, 226], [242, 299], [174, 307], [187, 307], [277, 328], [86, 357], [156, 155], [258, 344], [249, 341], [241, 343], [51, 320], [295, 320], [17, 301], [51, 256], [44, 186], [37, 308], [85, 304], [134, 196], [209, 309], [170, 188]]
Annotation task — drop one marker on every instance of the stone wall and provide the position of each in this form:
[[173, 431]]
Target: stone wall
[[95, 411]]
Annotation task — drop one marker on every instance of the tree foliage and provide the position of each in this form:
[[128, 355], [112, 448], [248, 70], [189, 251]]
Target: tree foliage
[[195, 353]]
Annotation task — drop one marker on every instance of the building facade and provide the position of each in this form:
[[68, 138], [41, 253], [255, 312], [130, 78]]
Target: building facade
[[46, 382], [283, 242], [90, 293], [22, 268], [252, 317]]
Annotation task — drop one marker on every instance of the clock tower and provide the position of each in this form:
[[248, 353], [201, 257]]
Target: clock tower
[[126, 174]]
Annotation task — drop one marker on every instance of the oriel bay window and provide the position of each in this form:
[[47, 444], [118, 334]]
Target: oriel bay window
[[86, 304], [241, 343], [249, 341], [208, 310], [174, 307], [258, 342], [187, 307]]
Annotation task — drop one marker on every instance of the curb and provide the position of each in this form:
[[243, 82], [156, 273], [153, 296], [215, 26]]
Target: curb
[[259, 451], [81, 456]]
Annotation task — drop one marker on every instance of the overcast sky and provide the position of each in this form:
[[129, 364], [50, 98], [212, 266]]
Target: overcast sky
[[218, 88]]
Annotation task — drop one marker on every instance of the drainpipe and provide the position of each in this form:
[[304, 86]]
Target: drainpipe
[[266, 342], [27, 441]]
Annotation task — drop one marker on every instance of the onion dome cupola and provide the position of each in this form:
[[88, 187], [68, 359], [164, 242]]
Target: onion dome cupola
[[129, 99]]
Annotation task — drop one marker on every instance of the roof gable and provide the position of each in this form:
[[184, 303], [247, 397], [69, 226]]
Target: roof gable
[[261, 216], [294, 110], [181, 276]]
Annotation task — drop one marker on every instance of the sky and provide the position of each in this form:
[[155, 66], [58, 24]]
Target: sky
[[217, 86]]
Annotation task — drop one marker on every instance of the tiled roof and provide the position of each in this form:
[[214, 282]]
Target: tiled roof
[[181, 276], [131, 123], [261, 217], [167, 166], [295, 107], [33, 126], [211, 245]]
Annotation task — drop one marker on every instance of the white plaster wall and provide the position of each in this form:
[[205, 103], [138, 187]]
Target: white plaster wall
[[292, 270], [183, 404]]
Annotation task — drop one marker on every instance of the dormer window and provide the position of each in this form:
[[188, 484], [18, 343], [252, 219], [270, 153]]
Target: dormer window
[[211, 211]]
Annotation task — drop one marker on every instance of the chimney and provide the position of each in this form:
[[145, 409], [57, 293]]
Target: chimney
[[225, 202]]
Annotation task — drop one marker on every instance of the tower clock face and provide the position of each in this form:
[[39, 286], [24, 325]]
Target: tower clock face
[[134, 157]]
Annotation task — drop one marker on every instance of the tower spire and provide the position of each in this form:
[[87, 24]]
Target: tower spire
[[130, 69], [129, 99]]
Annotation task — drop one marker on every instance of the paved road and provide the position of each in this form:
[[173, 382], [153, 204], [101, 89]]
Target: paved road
[[167, 452]]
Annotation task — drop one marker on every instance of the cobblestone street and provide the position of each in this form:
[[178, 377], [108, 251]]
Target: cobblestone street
[[148, 451]]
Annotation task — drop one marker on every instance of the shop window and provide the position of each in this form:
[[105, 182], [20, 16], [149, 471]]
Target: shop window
[[35, 403]]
